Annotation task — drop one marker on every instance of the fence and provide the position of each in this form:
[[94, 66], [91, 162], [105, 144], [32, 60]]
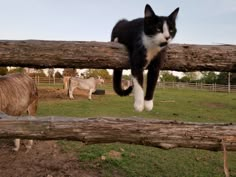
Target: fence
[[48, 80], [97, 55], [198, 86], [178, 85]]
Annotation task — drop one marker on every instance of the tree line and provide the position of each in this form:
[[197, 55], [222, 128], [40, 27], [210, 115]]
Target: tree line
[[52, 73], [165, 76], [204, 77]]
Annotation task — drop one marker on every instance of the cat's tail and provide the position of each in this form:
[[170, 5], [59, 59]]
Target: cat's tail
[[117, 80], [117, 73]]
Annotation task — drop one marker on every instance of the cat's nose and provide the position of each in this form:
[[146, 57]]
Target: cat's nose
[[167, 38]]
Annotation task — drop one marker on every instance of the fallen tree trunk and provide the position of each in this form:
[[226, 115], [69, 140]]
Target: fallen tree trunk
[[156, 133], [107, 55]]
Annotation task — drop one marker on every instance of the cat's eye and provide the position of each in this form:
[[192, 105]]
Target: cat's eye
[[171, 31], [158, 30]]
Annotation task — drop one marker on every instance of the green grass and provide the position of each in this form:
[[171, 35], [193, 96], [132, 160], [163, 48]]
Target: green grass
[[141, 161], [185, 105]]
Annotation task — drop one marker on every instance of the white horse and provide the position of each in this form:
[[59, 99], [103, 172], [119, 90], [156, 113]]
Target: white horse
[[84, 84], [18, 94]]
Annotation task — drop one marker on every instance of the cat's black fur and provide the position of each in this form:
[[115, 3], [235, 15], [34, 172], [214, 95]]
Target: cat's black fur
[[146, 40]]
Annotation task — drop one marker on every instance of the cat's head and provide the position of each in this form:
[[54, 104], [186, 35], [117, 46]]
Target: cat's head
[[158, 30]]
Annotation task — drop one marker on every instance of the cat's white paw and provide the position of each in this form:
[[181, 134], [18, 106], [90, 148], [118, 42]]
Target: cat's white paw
[[148, 105], [139, 105]]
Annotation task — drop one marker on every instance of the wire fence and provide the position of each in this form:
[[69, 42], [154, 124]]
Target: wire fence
[[176, 85], [48, 80], [198, 86]]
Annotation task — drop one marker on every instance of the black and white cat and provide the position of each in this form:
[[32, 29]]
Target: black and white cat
[[146, 40]]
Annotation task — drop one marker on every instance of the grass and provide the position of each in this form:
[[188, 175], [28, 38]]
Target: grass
[[141, 161], [185, 105]]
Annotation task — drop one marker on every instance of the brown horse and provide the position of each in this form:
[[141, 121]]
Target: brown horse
[[18, 95]]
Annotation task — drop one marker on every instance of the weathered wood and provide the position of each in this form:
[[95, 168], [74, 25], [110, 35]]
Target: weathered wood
[[107, 55], [156, 133]]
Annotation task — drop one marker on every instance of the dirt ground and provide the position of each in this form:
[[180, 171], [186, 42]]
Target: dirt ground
[[45, 159], [55, 93]]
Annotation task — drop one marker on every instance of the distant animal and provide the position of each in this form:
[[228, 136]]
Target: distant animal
[[146, 40], [125, 84], [18, 95], [84, 84], [66, 82]]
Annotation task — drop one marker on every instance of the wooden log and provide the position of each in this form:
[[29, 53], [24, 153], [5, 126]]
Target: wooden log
[[107, 55], [156, 133]]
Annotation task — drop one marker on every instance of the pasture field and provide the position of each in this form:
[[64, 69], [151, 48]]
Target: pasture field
[[122, 160]]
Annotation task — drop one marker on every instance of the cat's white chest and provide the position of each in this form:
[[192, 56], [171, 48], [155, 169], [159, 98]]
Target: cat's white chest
[[152, 52], [152, 46]]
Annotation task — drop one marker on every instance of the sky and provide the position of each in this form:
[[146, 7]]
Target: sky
[[199, 21]]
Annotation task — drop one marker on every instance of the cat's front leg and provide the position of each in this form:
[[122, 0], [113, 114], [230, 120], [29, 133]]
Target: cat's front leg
[[137, 77], [152, 76]]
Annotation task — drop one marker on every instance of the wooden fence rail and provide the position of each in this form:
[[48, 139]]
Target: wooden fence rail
[[156, 133], [107, 55]]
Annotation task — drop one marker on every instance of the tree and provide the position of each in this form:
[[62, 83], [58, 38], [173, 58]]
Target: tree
[[98, 72], [69, 72], [40, 73], [209, 77], [185, 79], [233, 78], [58, 75], [3, 70], [222, 78], [127, 77], [16, 70], [192, 76], [168, 77]]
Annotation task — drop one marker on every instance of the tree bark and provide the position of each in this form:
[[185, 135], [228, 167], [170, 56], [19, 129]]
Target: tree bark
[[107, 55], [148, 132]]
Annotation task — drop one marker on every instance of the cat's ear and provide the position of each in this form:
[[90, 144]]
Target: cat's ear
[[174, 14], [148, 12]]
